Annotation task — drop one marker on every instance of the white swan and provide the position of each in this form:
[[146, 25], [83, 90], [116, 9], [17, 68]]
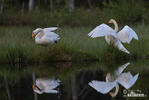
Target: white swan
[[45, 36], [125, 35], [45, 85], [125, 79]]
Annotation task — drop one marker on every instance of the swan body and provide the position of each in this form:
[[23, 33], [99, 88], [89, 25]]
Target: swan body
[[46, 86], [45, 36], [110, 78], [125, 79], [112, 36]]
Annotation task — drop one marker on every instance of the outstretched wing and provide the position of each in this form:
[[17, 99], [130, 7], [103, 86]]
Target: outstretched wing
[[102, 30], [120, 69], [51, 29], [102, 87], [127, 34], [127, 80]]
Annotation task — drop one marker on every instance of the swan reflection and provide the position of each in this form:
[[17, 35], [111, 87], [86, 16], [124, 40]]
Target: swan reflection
[[80, 88], [126, 79], [46, 85]]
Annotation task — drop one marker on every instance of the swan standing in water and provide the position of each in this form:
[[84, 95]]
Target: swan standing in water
[[125, 35], [125, 79], [45, 85], [45, 36]]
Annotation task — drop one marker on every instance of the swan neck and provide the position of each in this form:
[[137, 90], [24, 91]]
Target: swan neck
[[113, 94], [108, 77], [40, 33], [115, 26], [40, 30], [37, 31]]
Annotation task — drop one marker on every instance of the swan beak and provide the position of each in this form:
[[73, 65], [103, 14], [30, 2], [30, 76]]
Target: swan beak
[[109, 22], [33, 35], [33, 86]]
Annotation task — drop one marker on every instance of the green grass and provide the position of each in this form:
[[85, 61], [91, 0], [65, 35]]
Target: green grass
[[16, 45]]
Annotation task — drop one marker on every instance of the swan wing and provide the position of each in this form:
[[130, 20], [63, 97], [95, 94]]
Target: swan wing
[[48, 83], [101, 86], [51, 91], [110, 77], [50, 36], [53, 84], [49, 33], [51, 29], [102, 30], [120, 46], [127, 80], [127, 34], [121, 69]]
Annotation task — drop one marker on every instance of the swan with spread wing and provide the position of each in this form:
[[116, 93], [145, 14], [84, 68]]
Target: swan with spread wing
[[45, 36], [125, 79], [113, 36]]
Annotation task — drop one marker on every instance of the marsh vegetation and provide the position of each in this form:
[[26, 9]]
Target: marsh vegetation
[[16, 45], [16, 25]]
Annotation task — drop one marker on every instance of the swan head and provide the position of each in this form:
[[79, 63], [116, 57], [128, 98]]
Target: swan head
[[111, 21], [37, 89], [36, 31]]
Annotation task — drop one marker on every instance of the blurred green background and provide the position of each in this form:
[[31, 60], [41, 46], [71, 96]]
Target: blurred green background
[[72, 12], [75, 19]]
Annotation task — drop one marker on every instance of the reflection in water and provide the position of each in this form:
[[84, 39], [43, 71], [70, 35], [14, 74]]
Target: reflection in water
[[125, 79], [35, 94], [80, 88], [46, 85], [17, 84], [7, 88]]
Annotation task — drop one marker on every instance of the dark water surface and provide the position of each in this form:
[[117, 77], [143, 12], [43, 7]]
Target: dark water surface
[[16, 81]]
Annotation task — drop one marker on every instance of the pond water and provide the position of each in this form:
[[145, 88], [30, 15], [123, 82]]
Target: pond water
[[17, 81]]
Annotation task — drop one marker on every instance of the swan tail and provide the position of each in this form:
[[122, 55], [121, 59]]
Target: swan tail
[[120, 46]]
